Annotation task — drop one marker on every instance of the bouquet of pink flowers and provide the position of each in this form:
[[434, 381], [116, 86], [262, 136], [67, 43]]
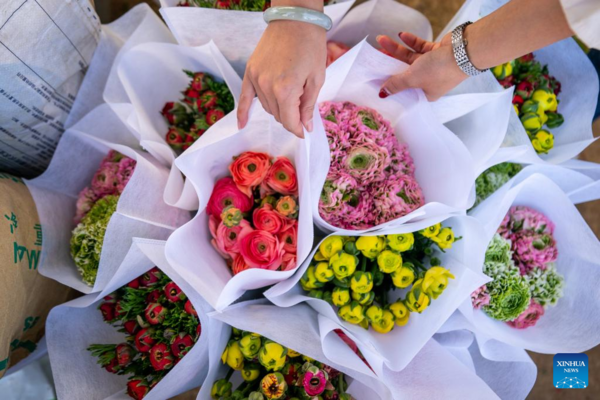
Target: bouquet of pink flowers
[[241, 5], [521, 260], [371, 176], [95, 205], [253, 214]]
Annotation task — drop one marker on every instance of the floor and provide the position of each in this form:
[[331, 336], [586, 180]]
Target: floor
[[439, 13]]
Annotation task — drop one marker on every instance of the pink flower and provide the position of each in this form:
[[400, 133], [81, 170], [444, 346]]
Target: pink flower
[[86, 199], [226, 240], [288, 261], [267, 219], [533, 250], [126, 168], [282, 178], [106, 179], [249, 170], [367, 162], [314, 381], [335, 50], [261, 249], [397, 197], [226, 193], [526, 218], [239, 264], [480, 298], [289, 238], [528, 317]]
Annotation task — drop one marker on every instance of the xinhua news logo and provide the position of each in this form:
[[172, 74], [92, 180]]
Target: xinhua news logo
[[571, 371]]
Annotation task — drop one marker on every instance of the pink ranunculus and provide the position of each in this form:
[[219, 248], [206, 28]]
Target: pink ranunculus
[[529, 317], [367, 162], [267, 219], [288, 262], [480, 297], [226, 193], [249, 169], [335, 50], [282, 178], [126, 168], [315, 381], [533, 250], [504, 229], [397, 197], [106, 179], [239, 265], [289, 238], [528, 219], [227, 240], [261, 249], [86, 199]]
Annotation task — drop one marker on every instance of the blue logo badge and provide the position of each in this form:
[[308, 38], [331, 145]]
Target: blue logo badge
[[571, 371]]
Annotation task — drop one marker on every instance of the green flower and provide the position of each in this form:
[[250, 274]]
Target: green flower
[[498, 259], [509, 297], [88, 237], [493, 178], [546, 286]]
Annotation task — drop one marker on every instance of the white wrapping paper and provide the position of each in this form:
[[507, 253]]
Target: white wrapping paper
[[397, 348], [578, 98], [151, 75], [573, 325], [72, 327], [206, 162], [434, 373], [141, 210], [236, 33]]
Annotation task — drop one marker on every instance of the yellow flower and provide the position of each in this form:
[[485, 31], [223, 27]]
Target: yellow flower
[[445, 238], [531, 121], [403, 277], [435, 281], [343, 264], [516, 109], [401, 242], [293, 354], [352, 313], [400, 312], [221, 389], [234, 356], [249, 346], [250, 372], [416, 299], [389, 261], [546, 99], [331, 246], [363, 298], [309, 280], [370, 246], [432, 231], [340, 296], [503, 71], [361, 282], [319, 257], [374, 313], [385, 324], [273, 386], [272, 355], [543, 141], [324, 272]]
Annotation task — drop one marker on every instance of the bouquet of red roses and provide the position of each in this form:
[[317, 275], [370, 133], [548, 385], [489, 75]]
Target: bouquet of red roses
[[162, 326], [253, 214]]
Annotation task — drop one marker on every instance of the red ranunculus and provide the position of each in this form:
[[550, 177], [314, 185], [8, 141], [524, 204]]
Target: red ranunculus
[[153, 296], [150, 278], [175, 136], [131, 327], [189, 308], [160, 357], [282, 177], [191, 95], [134, 284], [289, 238], [108, 311], [239, 264], [214, 115], [249, 170], [267, 219], [125, 354], [181, 344], [288, 262], [226, 240], [113, 366], [173, 292], [137, 388], [143, 340], [199, 82], [261, 249], [226, 193], [207, 100], [155, 313]]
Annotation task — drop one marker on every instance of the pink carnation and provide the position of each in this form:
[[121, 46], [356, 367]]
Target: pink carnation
[[480, 298], [533, 250], [529, 317]]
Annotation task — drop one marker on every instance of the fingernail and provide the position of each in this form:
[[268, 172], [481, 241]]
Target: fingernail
[[378, 37], [383, 93], [309, 126], [400, 34]]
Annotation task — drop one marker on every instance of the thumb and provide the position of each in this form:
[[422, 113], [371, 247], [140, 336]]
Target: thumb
[[395, 84], [307, 102]]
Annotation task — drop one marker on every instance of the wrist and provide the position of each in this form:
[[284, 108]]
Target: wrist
[[316, 5]]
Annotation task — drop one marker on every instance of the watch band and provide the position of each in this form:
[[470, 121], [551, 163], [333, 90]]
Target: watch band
[[298, 14], [459, 47]]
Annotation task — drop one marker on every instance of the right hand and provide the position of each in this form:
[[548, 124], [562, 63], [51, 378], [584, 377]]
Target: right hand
[[286, 72]]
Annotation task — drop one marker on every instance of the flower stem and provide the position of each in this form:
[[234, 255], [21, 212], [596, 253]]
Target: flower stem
[[229, 373], [364, 264]]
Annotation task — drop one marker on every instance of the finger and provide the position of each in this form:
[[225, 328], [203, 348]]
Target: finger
[[267, 97], [416, 43], [397, 50], [263, 99], [308, 100], [288, 100], [246, 98], [395, 84]]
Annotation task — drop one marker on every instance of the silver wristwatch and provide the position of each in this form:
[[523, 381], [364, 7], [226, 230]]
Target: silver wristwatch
[[459, 46]]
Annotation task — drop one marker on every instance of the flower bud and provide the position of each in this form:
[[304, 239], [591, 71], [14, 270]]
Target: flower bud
[[416, 299], [309, 280], [374, 313], [546, 99], [531, 122], [340, 296], [385, 323], [324, 272], [250, 346], [233, 356], [404, 276], [272, 355], [363, 299], [400, 312], [444, 239], [361, 282], [352, 313], [250, 372], [503, 71], [231, 216], [221, 388], [543, 141]]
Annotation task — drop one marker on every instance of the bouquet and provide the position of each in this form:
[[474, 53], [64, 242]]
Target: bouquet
[[535, 98], [204, 102], [494, 178], [253, 214], [161, 325], [521, 261], [356, 275], [95, 206], [271, 371], [242, 5], [371, 178]]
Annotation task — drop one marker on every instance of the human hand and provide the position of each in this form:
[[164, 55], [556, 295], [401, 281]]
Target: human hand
[[432, 66], [286, 72]]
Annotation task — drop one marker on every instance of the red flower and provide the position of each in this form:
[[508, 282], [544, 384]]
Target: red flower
[[282, 177], [108, 311], [181, 344], [153, 296], [267, 219], [239, 264], [137, 388], [134, 284], [175, 136], [111, 298], [212, 116], [198, 330], [155, 313], [207, 100], [174, 112], [189, 308], [199, 82], [249, 170], [260, 249], [160, 357], [290, 373], [173, 292], [223, 4], [131, 327], [112, 366], [119, 310], [288, 262], [143, 340], [517, 100], [524, 89], [289, 238], [150, 278], [125, 354], [507, 82], [226, 193], [191, 95], [189, 140]]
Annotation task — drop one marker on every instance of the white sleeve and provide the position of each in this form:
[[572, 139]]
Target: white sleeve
[[584, 18]]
